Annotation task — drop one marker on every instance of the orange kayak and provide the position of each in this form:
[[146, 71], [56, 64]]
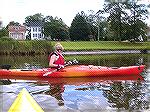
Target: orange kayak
[[75, 71]]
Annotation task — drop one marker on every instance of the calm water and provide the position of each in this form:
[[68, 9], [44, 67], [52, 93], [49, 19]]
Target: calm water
[[81, 94]]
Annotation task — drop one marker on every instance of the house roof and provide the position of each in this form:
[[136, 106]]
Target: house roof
[[36, 24], [14, 28]]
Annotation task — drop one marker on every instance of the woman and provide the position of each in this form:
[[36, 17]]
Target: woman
[[56, 59]]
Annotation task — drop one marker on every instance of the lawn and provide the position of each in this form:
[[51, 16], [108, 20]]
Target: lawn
[[103, 45]]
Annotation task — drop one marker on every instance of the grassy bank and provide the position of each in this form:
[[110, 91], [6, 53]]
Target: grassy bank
[[104, 45], [44, 47], [25, 47]]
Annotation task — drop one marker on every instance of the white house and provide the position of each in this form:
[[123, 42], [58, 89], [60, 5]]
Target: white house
[[36, 29]]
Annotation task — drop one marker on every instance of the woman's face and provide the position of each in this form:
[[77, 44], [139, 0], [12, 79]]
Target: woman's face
[[59, 50]]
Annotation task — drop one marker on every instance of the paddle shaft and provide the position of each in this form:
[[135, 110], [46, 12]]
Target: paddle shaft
[[55, 70]]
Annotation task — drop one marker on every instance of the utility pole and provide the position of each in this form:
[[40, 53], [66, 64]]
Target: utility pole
[[98, 31]]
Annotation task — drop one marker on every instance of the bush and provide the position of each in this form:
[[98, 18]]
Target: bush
[[25, 47], [6, 39]]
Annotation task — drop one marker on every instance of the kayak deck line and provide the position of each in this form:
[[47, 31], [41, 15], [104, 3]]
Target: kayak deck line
[[25, 103]]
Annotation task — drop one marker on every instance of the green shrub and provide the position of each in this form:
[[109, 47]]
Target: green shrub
[[5, 38], [25, 47]]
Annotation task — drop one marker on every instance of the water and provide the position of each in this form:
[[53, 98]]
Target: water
[[108, 94]]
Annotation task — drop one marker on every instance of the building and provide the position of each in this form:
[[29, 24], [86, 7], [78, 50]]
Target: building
[[36, 30], [17, 32]]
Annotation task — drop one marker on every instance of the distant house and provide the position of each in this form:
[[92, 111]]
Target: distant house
[[17, 32], [35, 28]]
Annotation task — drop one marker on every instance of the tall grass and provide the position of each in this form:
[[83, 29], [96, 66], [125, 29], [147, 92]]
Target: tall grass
[[25, 47]]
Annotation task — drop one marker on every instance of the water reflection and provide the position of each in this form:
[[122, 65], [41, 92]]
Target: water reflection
[[87, 93], [100, 60], [115, 60], [128, 96], [56, 91]]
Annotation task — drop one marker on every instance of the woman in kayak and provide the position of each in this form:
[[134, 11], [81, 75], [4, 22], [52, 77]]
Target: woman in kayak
[[56, 59]]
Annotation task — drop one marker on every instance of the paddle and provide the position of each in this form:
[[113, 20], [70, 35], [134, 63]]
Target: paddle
[[57, 69]]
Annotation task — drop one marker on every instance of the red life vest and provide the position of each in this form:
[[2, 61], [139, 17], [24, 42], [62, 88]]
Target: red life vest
[[60, 59]]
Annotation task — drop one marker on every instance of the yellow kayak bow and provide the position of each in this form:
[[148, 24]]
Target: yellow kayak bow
[[25, 103]]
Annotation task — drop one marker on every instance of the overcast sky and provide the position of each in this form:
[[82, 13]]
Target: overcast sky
[[17, 10]]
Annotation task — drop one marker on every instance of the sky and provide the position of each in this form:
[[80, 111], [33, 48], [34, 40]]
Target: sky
[[17, 10]]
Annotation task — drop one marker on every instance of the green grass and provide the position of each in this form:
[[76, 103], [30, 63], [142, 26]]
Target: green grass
[[24, 47], [103, 45], [44, 47]]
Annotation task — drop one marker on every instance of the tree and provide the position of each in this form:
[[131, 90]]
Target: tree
[[90, 19], [3, 32], [79, 29], [13, 23], [116, 16], [55, 28], [126, 18], [102, 25], [32, 18], [138, 13]]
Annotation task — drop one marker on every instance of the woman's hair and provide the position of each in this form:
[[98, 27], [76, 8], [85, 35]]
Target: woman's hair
[[58, 46]]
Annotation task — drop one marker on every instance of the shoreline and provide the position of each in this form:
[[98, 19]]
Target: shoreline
[[81, 52], [106, 52]]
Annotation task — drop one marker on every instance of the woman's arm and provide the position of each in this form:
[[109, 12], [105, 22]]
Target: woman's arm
[[52, 60]]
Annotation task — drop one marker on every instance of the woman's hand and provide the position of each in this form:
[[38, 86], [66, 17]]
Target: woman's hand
[[60, 66]]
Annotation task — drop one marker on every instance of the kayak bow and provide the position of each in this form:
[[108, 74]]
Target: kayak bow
[[25, 103]]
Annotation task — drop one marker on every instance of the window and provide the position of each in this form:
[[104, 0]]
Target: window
[[39, 35], [33, 29], [40, 29], [35, 35]]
